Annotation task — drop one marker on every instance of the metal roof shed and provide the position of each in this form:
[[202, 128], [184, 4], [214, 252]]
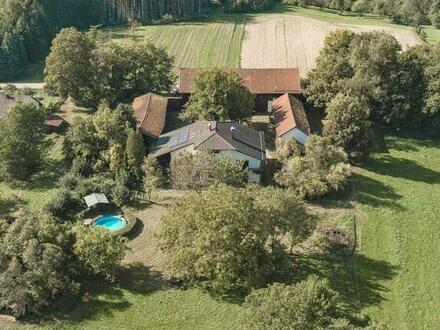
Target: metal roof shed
[[95, 199]]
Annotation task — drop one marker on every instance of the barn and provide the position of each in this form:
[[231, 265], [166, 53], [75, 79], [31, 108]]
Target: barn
[[264, 84]]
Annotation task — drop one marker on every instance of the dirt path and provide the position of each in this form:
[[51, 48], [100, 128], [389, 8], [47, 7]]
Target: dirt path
[[276, 41]]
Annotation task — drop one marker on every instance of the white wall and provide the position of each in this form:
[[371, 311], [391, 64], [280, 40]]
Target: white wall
[[254, 164]]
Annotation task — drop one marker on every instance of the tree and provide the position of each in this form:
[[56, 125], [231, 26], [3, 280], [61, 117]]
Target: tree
[[12, 56], [219, 95], [307, 305], [434, 14], [135, 151], [21, 138], [376, 78], [332, 67], [69, 70], [347, 125], [99, 250], [361, 6], [153, 177], [200, 170], [135, 68], [288, 148], [323, 168], [36, 264], [219, 238]]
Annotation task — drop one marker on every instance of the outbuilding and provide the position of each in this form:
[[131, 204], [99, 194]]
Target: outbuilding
[[290, 119], [264, 84]]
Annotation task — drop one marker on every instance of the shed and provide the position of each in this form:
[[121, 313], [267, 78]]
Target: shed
[[95, 199], [55, 122], [290, 118], [150, 113]]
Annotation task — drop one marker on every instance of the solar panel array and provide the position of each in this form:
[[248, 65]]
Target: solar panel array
[[179, 138]]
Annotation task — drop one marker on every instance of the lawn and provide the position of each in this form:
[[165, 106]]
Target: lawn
[[399, 205]]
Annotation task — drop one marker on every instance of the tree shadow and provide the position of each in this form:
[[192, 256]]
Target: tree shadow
[[137, 230], [357, 278], [101, 298], [402, 168], [377, 194], [47, 178]]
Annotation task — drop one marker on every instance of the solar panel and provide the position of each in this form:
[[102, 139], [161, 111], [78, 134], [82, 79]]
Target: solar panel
[[174, 140], [183, 136]]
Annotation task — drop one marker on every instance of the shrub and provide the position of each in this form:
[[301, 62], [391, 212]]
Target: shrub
[[322, 169], [99, 250], [197, 171], [307, 305]]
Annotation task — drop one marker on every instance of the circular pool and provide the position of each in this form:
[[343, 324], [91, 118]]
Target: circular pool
[[111, 222]]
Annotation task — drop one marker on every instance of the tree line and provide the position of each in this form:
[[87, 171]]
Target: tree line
[[410, 12], [28, 27]]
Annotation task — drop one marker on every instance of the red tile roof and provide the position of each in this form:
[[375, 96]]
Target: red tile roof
[[258, 81], [150, 113], [55, 121], [288, 112]]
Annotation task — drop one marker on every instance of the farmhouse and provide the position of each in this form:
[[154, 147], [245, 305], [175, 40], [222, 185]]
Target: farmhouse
[[150, 113], [225, 138], [290, 119], [265, 84], [8, 101]]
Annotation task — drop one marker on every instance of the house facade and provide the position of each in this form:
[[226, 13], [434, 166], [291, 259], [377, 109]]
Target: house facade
[[222, 138]]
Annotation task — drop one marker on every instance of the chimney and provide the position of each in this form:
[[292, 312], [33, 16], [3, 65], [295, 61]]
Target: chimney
[[232, 131]]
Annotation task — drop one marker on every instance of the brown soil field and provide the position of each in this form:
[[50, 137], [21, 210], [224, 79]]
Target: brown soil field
[[278, 41]]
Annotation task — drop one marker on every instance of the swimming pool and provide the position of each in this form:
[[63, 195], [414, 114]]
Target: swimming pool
[[111, 222]]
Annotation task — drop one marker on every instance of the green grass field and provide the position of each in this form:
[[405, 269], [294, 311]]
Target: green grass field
[[399, 202], [194, 44]]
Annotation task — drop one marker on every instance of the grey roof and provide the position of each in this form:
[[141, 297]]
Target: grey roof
[[94, 199], [212, 136], [8, 101]]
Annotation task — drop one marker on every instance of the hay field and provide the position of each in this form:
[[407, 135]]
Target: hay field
[[197, 45], [273, 41]]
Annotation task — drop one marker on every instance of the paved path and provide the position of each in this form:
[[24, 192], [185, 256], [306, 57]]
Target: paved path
[[25, 85]]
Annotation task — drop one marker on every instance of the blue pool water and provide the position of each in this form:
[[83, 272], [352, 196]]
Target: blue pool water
[[110, 222]]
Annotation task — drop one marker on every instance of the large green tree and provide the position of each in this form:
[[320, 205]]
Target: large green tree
[[331, 69], [225, 240], [347, 125], [219, 95], [36, 264], [21, 137], [69, 70]]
